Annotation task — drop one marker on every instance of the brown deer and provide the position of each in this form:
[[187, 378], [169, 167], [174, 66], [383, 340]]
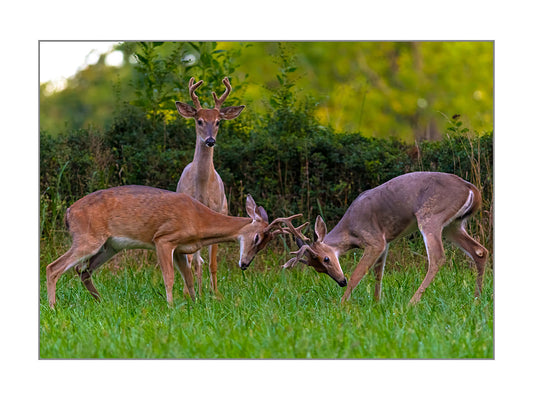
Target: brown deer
[[174, 224], [199, 179], [435, 203]]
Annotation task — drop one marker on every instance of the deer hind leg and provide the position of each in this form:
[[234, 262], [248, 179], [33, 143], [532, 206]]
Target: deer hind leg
[[432, 233], [456, 233], [186, 273], [105, 253], [213, 266], [75, 255], [370, 255], [379, 267]]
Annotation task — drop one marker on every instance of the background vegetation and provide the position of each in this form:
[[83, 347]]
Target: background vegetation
[[293, 153], [381, 89]]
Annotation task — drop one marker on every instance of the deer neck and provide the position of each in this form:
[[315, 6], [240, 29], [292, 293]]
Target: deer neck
[[223, 228], [203, 163], [341, 239]]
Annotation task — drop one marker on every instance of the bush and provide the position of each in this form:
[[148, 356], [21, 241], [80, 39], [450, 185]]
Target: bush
[[288, 163]]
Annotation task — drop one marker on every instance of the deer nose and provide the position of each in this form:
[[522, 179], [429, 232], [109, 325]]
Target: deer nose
[[343, 282], [210, 142], [243, 266]]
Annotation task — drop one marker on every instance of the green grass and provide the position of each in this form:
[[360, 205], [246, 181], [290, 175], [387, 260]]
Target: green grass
[[267, 313]]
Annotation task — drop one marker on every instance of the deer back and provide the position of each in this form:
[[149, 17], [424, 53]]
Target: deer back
[[136, 212]]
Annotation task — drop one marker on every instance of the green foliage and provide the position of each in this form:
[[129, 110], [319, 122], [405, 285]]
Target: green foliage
[[163, 69], [153, 75], [380, 89], [92, 98]]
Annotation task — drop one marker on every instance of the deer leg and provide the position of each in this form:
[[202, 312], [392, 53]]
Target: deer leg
[[54, 270], [435, 252], [457, 234], [189, 260], [379, 267], [165, 257], [213, 266], [186, 273], [197, 266], [370, 255], [105, 253]]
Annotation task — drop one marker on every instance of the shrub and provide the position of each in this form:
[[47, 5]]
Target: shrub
[[288, 163]]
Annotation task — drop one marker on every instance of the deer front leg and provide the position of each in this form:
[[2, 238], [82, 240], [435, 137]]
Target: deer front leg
[[196, 264], [186, 273], [165, 257], [379, 267], [213, 266], [370, 256], [189, 260]]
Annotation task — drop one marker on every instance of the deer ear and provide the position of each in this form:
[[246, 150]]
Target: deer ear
[[251, 209], [186, 110], [263, 214], [231, 112], [320, 229]]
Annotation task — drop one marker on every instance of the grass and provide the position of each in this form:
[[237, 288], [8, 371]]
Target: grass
[[267, 313]]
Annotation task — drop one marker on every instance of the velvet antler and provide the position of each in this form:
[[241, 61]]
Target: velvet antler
[[192, 87], [219, 101]]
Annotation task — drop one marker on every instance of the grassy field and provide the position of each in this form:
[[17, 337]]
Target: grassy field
[[267, 312]]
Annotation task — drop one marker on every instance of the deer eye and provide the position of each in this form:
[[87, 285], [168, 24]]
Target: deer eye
[[256, 238], [326, 259], [200, 122], [217, 123]]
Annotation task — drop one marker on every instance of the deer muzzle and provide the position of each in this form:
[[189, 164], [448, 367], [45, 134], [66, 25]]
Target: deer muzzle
[[210, 141]]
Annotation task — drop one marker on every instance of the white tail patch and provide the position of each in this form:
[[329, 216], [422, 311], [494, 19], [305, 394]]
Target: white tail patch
[[462, 211]]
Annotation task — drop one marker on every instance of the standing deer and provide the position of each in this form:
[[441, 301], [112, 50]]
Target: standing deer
[[435, 203], [174, 224], [199, 178]]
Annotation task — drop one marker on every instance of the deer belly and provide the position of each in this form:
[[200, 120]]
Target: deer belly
[[397, 231], [123, 243]]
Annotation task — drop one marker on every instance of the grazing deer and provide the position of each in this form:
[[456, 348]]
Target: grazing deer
[[199, 178], [107, 221], [435, 203]]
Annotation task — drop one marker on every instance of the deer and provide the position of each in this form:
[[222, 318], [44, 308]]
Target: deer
[[437, 204], [199, 179], [174, 224]]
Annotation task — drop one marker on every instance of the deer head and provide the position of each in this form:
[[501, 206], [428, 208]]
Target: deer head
[[318, 255], [259, 232], [208, 120]]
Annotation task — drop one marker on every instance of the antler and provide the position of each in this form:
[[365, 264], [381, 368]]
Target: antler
[[299, 255], [297, 232], [219, 101], [288, 231], [192, 87], [290, 228], [276, 224]]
